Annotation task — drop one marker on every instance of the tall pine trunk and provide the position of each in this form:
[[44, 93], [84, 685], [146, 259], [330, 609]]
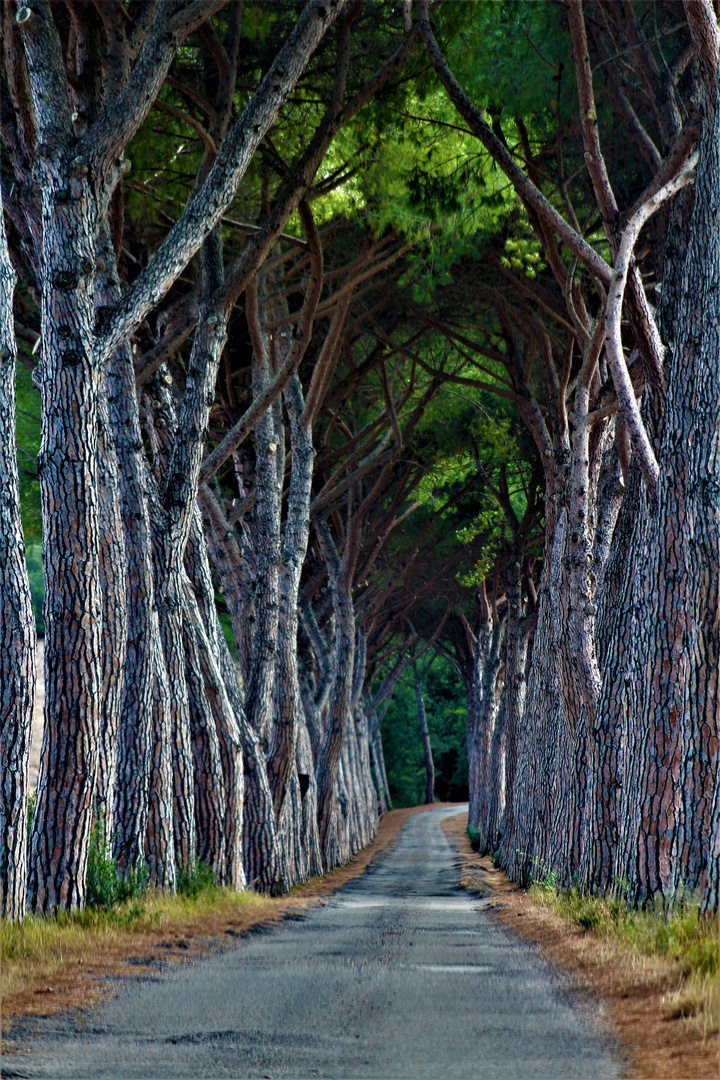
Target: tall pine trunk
[[425, 736], [68, 469], [17, 625]]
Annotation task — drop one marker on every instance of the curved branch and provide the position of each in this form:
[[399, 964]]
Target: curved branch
[[629, 409], [525, 188], [250, 417], [206, 207]]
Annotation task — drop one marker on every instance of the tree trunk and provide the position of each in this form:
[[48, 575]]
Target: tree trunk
[[496, 770], [536, 753], [17, 625], [160, 835], [114, 588], [378, 761], [425, 736], [210, 806], [259, 698], [333, 740], [482, 712], [260, 838], [288, 710], [665, 689], [139, 675], [68, 469], [201, 611], [378, 764], [113, 565]]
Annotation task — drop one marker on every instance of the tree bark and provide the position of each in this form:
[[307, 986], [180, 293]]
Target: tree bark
[[17, 625], [425, 736], [334, 736], [68, 469], [667, 677]]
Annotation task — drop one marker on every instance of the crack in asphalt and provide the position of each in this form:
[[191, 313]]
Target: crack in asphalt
[[399, 975]]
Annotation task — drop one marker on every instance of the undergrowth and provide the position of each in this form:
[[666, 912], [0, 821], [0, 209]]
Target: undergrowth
[[681, 938], [120, 908], [107, 885], [474, 837]]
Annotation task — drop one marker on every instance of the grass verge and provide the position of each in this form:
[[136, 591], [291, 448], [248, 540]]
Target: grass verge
[[683, 944], [67, 961], [653, 978]]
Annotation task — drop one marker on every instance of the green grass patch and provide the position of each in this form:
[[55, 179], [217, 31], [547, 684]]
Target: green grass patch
[[682, 934], [473, 837], [684, 941], [121, 908], [34, 950]]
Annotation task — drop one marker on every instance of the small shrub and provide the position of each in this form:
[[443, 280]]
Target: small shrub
[[549, 883], [675, 931], [30, 816], [474, 836], [197, 879], [106, 884]]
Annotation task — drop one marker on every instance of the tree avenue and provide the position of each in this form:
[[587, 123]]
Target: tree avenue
[[363, 337]]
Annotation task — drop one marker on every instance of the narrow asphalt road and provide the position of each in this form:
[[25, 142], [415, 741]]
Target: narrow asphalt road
[[398, 975]]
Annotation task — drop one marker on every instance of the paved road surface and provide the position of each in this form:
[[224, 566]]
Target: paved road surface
[[398, 975]]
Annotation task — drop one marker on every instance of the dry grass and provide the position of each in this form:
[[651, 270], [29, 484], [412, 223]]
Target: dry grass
[[654, 976], [678, 950], [51, 964], [37, 951]]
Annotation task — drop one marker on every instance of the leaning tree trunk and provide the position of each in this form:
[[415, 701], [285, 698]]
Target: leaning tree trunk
[[137, 703], [200, 611], [496, 770], [482, 715], [268, 441], [260, 837], [288, 711], [210, 805], [114, 555], [17, 625], [370, 798], [425, 736], [114, 585], [536, 731], [378, 758], [333, 739]]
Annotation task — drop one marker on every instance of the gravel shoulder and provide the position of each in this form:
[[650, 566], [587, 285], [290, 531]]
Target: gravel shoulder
[[398, 974]]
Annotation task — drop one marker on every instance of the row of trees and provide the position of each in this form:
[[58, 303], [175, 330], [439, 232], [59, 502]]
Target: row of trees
[[335, 381], [593, 689]]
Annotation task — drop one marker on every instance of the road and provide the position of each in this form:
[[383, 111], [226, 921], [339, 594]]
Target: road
[[398, 975]]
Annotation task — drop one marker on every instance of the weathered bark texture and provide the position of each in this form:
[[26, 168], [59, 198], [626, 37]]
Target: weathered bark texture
[[662, 688], [17, 625], [68, 469]]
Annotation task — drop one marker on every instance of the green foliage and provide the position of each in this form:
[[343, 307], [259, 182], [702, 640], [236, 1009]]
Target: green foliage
[[226, 626], [107, 886], [474, 837], [197, 879], [257, 22], [402, 744], [512, 56], [30, 815], [33, 558], [679, 933], [27, 434]]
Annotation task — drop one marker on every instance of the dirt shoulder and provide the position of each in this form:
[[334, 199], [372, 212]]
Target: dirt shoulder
[[660, 1045], [80, 964]]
